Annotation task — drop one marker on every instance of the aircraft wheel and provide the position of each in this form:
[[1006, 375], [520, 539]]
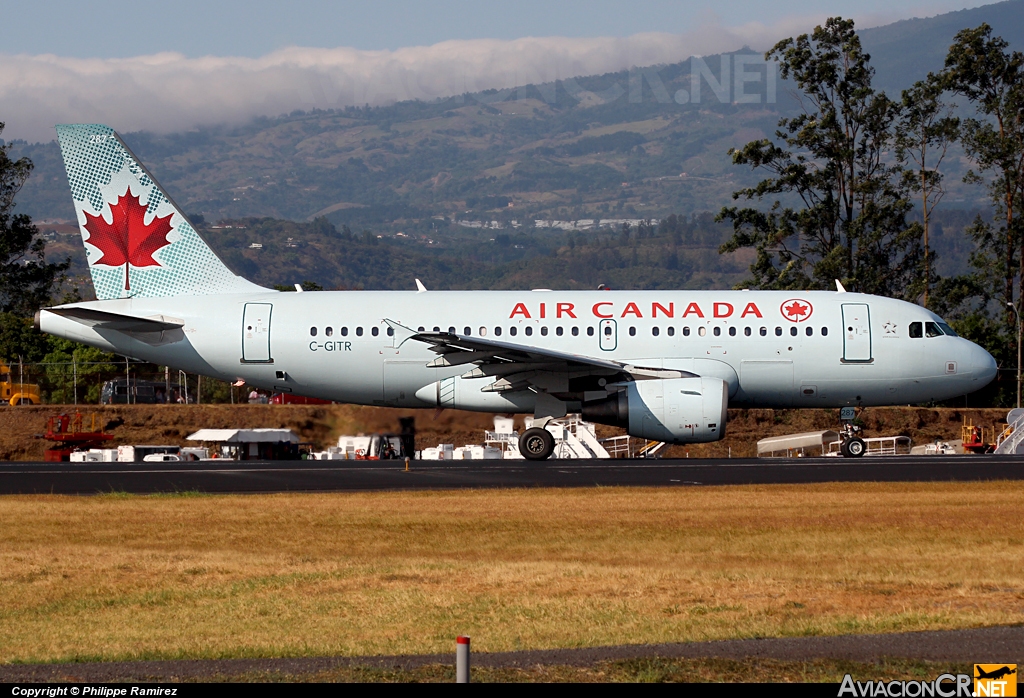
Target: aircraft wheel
[[536, 444], [842, 449], [855, 447]]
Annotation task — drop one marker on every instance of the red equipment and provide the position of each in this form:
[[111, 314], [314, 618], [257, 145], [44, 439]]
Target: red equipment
[[67, 431]]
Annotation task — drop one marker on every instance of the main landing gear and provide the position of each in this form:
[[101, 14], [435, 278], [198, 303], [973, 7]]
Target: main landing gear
[[536, 444]]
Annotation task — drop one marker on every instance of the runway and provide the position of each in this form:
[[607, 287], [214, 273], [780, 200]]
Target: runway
[[338, 476]]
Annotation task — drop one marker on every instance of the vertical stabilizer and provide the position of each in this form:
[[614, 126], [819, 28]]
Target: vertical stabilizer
[[138, 242]]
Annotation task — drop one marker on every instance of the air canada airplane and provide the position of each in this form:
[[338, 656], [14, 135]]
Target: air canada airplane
[[664, 365]]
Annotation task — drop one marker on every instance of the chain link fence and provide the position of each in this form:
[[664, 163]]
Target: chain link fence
[[112, 382]]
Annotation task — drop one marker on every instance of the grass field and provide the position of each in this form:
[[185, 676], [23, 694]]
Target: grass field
[[123, 577], [648, 670]]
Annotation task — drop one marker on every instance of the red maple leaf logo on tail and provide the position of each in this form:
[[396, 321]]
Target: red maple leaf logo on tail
[[128, 240]]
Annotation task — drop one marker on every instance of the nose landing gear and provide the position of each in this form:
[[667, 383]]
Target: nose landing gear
[[853, 445]]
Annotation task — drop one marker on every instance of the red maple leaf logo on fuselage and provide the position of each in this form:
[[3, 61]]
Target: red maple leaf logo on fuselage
[[128, 240], [796, 310]]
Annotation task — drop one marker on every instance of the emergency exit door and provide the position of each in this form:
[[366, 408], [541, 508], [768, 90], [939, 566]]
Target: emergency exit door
[[256, 333], [609, 335], [856, 333]]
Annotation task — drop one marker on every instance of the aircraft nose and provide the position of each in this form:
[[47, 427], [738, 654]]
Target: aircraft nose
[[983, 366]]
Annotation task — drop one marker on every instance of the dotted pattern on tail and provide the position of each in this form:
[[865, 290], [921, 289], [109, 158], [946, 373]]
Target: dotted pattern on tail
[[100, 168]]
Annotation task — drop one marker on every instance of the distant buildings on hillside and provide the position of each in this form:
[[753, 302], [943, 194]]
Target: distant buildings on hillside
[[581, 224]]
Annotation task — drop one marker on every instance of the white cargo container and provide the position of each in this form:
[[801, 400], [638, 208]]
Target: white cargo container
[[95, 455], [442, 452], [471, 452]]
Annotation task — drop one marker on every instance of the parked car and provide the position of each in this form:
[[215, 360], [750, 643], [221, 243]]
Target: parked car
[[162, 458]]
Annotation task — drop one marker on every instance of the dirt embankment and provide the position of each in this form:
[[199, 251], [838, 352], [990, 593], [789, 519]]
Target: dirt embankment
[[321, 425]]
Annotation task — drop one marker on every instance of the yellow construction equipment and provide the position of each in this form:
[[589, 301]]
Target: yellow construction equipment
[[14, 391]]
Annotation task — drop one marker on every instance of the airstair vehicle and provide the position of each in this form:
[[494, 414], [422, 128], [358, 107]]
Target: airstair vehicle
[[574, 439], [1011, 439]]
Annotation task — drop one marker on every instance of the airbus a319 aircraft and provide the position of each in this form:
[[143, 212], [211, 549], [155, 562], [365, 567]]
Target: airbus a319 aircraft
[[664, 365]]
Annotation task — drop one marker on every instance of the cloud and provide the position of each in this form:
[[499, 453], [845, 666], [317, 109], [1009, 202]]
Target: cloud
[[168, 92]]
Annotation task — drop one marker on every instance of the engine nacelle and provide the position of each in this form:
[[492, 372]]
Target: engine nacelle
[[676, 410]]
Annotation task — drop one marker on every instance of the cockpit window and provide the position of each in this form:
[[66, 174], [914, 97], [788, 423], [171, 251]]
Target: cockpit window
[[915, 330], [932, 330], [946, 329]]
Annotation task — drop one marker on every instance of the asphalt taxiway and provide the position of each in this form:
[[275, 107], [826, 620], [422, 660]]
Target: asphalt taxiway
[[219, 476]]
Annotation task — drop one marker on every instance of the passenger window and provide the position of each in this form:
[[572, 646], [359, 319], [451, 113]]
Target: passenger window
[[467, 331], [590, 331], [559, 330], [632, 331], [809, 331], [451, 330], [359, 331], [374, 331], [671, 331], [932, 330], [746, 331], [576, 331], [437, 329], [702, 331], [543, 331], [497, 331], [529, 331], [686, 331], [718, 331], [328, 331], [778, 331], [764, 331], [344, 331], [824, 332], [421, 328], [391, 332], [792, 331], [915, 330], [655, 331], [312, 332], [732, 331], [483, 331], [608, 331], [512, 331]]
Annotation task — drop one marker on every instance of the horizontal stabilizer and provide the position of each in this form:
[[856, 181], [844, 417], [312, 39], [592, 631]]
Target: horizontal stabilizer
[[104, 320]]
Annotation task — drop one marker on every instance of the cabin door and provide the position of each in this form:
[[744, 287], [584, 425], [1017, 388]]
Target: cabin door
[[856, 333], [256, 333]]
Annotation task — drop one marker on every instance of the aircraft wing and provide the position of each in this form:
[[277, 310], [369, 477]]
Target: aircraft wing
[[104, 320], [521, 366]]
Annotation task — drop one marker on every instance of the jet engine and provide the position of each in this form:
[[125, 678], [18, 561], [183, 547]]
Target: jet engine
[[675, 410]]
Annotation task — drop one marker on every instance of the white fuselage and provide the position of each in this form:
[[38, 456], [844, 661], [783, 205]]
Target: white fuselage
[[828, 349]]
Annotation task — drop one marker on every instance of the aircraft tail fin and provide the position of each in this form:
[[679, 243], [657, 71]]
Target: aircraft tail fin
[[138, 242]]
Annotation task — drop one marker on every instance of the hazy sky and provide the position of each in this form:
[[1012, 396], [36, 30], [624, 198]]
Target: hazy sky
[[116, 29], [174, 65]]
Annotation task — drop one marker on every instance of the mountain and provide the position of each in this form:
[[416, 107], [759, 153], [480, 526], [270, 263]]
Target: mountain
[[906, 51], [629, 145]]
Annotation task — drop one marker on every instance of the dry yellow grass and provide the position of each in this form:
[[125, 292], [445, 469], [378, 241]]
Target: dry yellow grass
[[130, 577]]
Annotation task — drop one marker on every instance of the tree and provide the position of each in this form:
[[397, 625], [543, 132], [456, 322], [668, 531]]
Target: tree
[[27, 281], [981, 68], [924, 133], [851, 220]]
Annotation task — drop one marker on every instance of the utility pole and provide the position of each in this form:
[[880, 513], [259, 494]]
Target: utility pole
[[1016, 314]]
